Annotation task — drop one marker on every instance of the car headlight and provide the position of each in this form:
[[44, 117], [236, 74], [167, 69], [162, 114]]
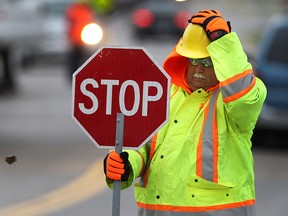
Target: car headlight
[[92, 34]]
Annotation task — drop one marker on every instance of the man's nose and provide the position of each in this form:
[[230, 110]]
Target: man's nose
[[200, 68]]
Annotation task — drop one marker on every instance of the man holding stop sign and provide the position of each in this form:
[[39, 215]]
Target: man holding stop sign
[[200, 163], [120, 98]]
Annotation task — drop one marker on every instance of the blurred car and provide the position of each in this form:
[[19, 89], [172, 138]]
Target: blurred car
[[4, 71], [20, 28], [125, 4], [9, 40], [32, 30], [272, 68], [52, 40], [160, 17]]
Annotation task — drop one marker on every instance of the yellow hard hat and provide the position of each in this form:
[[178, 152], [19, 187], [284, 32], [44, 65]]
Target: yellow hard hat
[[194, 42]]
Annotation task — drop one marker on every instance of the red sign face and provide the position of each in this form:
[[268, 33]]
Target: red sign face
[[121, 80]]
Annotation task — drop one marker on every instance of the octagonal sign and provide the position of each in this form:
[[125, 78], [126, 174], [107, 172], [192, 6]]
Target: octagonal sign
[[121, 80]]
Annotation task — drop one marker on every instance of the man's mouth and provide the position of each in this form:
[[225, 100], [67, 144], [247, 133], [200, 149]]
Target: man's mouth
[[199, 76]]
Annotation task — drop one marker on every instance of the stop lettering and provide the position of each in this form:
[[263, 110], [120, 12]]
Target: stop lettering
[[122, 93]]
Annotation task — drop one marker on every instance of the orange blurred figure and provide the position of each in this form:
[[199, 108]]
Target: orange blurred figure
[[78, 14]]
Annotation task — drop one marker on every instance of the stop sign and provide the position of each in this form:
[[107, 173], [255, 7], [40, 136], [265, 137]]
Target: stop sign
[[121, 80]]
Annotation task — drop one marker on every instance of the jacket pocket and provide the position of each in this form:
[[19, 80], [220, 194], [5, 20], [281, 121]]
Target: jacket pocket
[[205, 192]]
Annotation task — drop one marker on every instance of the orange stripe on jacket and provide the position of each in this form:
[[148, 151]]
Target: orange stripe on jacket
[[143, 162], [195, 208], [236, 77], [240, 94], [151, 155]]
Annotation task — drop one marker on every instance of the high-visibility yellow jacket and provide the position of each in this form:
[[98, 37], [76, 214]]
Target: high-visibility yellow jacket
[[200, 162]]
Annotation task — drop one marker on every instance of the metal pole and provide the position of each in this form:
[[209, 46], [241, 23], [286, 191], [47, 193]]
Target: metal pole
[[118, 149]]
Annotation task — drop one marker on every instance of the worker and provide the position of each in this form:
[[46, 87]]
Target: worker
[[78, 15], [200, 163]]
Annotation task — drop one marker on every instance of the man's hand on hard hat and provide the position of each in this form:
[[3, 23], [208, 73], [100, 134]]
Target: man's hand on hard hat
[[212, 22], [117, 166]]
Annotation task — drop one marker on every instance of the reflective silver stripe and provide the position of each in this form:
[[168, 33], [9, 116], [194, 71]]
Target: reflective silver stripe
[[237, 86], [242, 211], [207, 141]]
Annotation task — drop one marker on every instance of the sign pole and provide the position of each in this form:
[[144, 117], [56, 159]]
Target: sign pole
[[118, 149]]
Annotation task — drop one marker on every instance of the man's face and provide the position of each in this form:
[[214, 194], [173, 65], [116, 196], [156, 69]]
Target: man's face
[[199, 76]]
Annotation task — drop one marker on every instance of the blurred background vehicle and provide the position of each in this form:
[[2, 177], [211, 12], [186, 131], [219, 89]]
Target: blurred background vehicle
[[20, 28], [160, 18], [7, 72], [21, 34], [272, 68], [126, 3], [17, 29], [32, 30], [52, 39]]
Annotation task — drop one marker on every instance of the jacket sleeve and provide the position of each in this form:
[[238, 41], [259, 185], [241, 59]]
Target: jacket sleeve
[[137, 160], [242, 93]]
